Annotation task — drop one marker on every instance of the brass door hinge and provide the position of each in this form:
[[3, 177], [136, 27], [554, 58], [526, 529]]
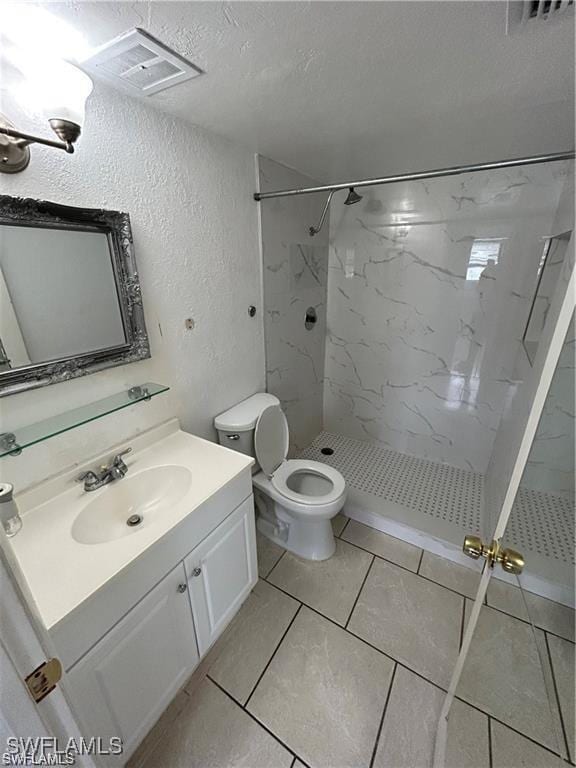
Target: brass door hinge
[[510, 560], [44, 679]]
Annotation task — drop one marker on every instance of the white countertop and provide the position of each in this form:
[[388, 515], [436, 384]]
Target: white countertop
[[60, 571]]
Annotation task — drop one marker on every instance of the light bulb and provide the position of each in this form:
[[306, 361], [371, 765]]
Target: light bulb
[[65, 97], [55, 87]]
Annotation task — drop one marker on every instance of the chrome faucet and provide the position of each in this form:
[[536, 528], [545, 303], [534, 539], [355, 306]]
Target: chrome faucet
[[115, 470]]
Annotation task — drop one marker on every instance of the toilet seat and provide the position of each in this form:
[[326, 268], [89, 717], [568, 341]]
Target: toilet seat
[[285, 471], [271, 439]]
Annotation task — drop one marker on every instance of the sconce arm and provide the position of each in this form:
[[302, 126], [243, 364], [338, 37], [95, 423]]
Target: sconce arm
[[24, 139]]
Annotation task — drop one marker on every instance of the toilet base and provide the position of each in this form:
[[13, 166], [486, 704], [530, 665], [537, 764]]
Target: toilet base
[[309, 539]]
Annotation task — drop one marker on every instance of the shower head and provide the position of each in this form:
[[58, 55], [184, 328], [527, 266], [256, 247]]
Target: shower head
[[353, 197]]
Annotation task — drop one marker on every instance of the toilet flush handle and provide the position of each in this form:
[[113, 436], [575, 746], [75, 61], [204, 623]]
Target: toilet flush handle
[[233, 437]]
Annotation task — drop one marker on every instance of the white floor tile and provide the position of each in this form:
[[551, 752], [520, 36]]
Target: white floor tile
[[324, 693], [411, 619], [258, 629], [214, 732], [330, 586]]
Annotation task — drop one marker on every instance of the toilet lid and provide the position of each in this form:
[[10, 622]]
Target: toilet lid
[[271, 439]]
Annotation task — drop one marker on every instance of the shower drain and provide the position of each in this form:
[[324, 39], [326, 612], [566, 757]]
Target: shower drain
[[327, 451]]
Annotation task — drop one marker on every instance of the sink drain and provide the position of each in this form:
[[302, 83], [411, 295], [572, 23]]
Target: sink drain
[[327, 451], [134, 520]]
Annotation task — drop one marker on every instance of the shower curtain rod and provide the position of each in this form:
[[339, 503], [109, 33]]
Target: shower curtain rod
[[455, 171]]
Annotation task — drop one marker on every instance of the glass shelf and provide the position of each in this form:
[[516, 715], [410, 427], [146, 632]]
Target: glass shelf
[[12, 443]]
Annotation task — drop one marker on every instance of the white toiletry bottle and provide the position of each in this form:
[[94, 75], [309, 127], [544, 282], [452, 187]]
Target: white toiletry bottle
[[9, 516]]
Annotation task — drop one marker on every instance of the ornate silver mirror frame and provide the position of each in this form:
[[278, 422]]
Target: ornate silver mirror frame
[[17, 211]]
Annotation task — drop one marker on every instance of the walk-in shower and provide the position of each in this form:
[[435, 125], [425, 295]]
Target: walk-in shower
[[424, 292]]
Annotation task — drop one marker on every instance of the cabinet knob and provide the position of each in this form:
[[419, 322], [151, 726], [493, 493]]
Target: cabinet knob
[[196, 571], [182, 588]]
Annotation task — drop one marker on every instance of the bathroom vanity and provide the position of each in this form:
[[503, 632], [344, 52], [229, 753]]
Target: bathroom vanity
[[132, 609]]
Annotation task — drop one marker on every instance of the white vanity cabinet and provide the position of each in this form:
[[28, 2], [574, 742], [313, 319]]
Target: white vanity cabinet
[[124, 683], [221, 572]]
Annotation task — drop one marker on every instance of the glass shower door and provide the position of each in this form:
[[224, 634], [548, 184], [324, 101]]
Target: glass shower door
[[511, 698]]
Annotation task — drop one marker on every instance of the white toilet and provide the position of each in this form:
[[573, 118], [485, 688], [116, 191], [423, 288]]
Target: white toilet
[[296, 498]]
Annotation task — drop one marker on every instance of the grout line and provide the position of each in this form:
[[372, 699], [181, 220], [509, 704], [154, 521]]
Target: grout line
[[420, 563], [418, 674], [276, 563], [454, 592], [511, 728], [375, 749], [560, 714], [268, 730], [430, 682], [490, 757], [426, 578], [529, 623], [365, 642], [273, 654], [360, 591], [256, 720], [343, 529], [408, 570]]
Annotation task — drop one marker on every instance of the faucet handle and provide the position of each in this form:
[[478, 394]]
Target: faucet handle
[[90, 479], [118, 462], [86, 476]]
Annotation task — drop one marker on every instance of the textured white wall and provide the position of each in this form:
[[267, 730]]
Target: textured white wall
[[189, 196]]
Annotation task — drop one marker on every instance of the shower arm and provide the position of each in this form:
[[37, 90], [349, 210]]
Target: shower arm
[[314, 230], [454, 171]]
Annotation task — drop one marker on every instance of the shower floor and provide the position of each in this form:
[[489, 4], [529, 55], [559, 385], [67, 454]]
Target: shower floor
[[435, 505]]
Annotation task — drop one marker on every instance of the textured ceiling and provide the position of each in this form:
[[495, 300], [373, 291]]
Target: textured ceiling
[[352, 89]]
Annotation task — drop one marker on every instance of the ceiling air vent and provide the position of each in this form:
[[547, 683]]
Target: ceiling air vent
[[522, 12], [141, 63]]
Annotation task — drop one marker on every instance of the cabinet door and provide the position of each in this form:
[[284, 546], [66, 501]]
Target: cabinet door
[[221, 572], [124, 683]]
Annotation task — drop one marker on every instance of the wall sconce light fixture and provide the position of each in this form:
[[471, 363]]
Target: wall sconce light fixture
[[61, 90]]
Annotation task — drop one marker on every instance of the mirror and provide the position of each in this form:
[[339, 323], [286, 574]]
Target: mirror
[[70, 299], [549, 271]]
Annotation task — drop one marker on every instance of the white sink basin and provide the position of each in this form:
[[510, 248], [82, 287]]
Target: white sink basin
[[171, 481], [127, 506]]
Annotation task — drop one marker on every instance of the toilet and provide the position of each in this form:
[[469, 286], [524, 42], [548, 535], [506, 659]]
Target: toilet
[[295, 498]]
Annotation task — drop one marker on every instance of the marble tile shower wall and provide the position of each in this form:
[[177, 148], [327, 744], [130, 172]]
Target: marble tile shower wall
[[295, 271], [429, 290]]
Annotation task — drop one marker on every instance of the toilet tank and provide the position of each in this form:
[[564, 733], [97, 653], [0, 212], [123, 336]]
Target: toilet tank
[[235, 426]]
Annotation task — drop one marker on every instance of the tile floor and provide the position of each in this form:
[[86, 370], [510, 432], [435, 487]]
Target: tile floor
[[344, 664]]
